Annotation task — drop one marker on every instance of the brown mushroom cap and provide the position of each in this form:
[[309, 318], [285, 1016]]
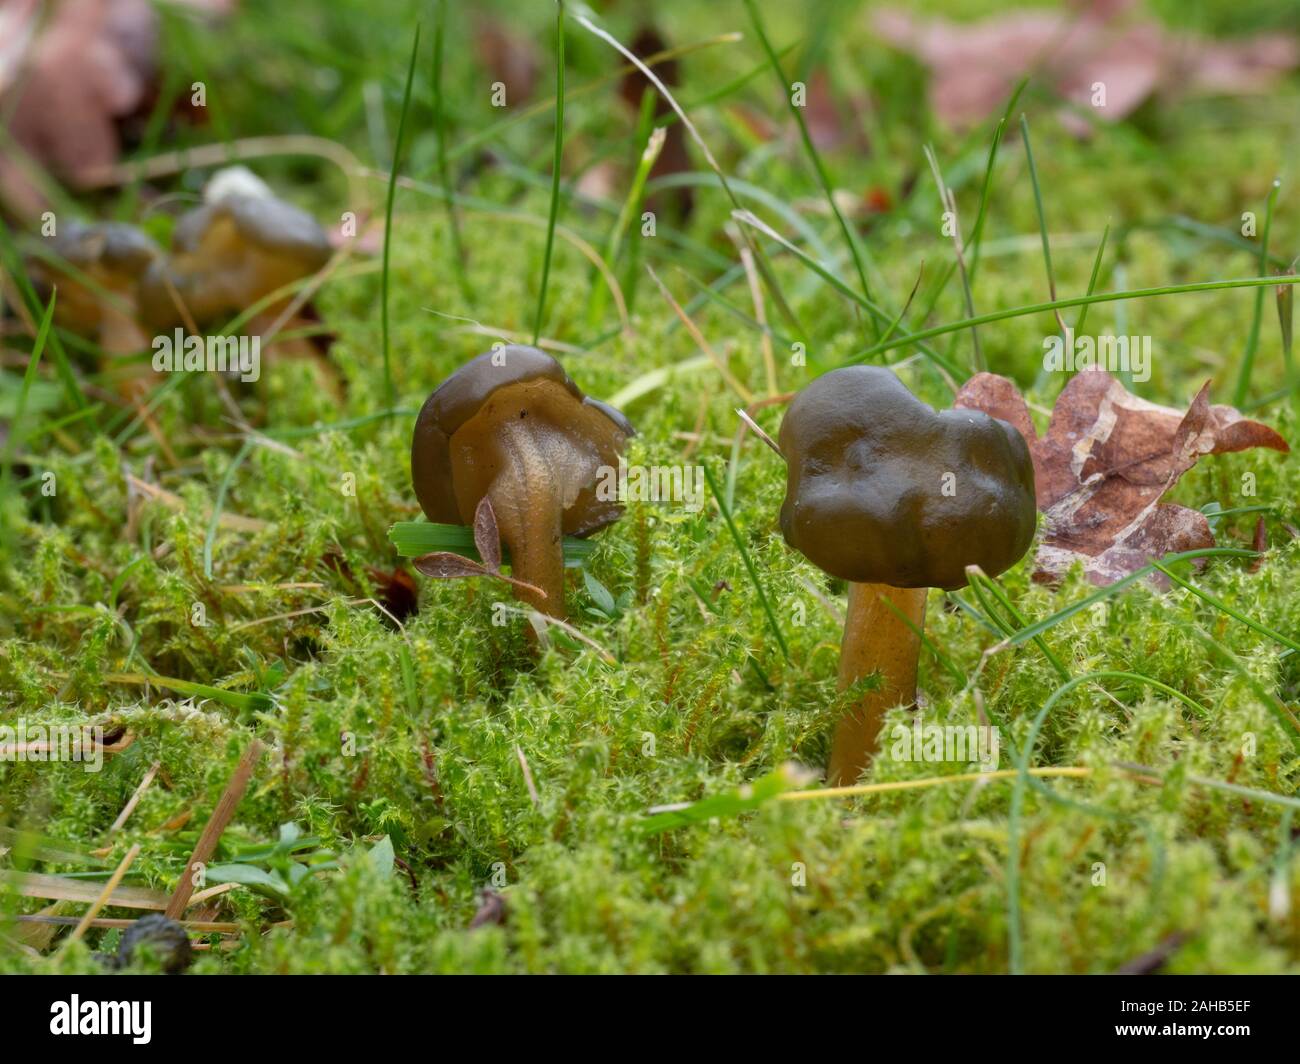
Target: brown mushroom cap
[[518, 399], [229, 254], [112, 255], [867, 499]]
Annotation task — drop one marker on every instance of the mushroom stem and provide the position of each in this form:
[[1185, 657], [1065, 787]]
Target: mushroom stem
[[536, 546], [527, 498], [876, 639]]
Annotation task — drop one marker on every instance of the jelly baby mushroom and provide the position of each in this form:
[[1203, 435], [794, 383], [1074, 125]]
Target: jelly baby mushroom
[[236, 249], [511, 427], [896, 498], [97, 269]]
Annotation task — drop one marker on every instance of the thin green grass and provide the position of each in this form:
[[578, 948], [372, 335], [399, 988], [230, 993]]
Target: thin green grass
[[389, 391], [556, 159], [459, 259], [773, 626], [478, 764], [1073, 301], [1242, 390], [814, 157]]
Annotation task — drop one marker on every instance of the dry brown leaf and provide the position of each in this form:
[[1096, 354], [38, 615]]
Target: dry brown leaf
[[491, 911], [89, 68], [487, 537], [975, 65], [1105, 462], [75, 84], [444, 565], [510, 58]]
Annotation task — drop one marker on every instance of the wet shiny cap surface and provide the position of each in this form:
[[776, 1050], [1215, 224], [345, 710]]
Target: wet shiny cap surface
[[455, 450], [228, 255], [883, 489]]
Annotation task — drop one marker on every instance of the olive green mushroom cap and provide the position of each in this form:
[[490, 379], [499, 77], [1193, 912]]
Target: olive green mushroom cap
[[112, 256], [120, 249], [228, 254], [520, 399], [882, 489]]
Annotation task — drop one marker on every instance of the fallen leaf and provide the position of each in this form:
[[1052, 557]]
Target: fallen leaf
[[487, 537], [1105, 462], [510, 58], [1259, 545], [396, 590], [491, 910], [975, 65], [91, 66], [443, 565]]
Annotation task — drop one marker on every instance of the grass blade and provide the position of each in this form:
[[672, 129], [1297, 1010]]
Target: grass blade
[[1042, 217], [1092, 280], [388, 214], [1252, 340], [440, 143], [1073, 301], [811, 149], [415, 538], [12, 260], [1223, 607], [749, 563], [29, 375], [555, 168]]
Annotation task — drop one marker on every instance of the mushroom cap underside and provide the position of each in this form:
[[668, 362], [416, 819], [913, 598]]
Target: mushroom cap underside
[[515, 406], [883, 489]]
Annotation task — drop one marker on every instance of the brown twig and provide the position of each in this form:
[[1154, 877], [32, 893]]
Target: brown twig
[[134, 800], [213, 829]]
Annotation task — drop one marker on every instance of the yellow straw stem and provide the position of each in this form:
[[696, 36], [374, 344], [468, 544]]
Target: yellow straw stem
[[1074, 771]]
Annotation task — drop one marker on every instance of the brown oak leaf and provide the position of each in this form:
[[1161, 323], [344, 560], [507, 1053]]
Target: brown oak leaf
[[1104, 464], [975, 65], [90, 67], [444, 565]]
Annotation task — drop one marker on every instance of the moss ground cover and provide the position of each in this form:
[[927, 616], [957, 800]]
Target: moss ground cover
[[482, 766]]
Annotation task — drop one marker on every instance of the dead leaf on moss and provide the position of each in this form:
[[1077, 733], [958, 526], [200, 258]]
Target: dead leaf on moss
[[90, 67], [76, 86], [487, 536], [974, 65], [444, 565], [1105, 462], [510, 57], [491, 911]]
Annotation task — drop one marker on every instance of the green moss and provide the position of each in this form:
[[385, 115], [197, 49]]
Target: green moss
[[102, 580]]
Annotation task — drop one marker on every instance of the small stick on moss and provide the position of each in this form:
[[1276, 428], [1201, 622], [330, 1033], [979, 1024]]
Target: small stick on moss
[[555, 170], [699, 339], [113, 922], [134, 800], [214, 828], [528, 777], [758, 431]]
